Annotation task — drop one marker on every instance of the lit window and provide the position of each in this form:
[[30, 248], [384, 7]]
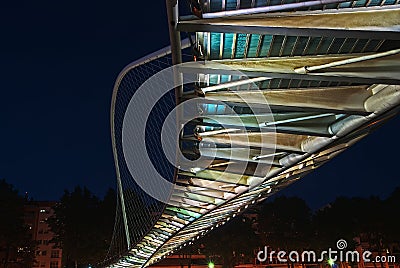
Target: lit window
[[55, 254], [42, 211]]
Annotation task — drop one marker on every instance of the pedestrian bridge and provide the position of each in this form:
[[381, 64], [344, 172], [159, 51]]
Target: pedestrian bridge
[[279, 87]]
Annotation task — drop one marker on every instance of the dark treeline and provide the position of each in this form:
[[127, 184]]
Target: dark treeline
[[287, 223], [16, 243], [83, 226], [82, 223]]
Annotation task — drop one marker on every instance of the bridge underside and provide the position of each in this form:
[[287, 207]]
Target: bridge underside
[[330, 74]]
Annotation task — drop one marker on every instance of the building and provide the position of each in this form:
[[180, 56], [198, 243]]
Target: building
[[36, 215]]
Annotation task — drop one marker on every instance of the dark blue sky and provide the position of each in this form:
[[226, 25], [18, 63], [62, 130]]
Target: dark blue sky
[[58, 63]]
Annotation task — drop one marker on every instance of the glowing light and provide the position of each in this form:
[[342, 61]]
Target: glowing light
[[210, 264], [195, 170], [331, 262]]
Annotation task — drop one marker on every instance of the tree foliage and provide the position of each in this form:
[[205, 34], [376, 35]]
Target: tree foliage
[[83, 226], [287, 223], [234, 241], [16, 245]]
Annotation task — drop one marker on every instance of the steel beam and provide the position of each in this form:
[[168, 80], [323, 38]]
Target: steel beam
[[383, 70], [350, 98], [382, 23]]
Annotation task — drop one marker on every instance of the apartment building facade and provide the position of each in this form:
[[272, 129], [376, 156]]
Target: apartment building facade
[[47, 255]]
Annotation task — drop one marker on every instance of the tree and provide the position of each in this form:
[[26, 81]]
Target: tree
[[16, 245], [107, 219], [347, 218], [391, 215], [286, 223], [234, 241], [81, 224]]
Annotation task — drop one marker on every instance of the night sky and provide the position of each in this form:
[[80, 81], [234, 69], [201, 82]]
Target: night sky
[[59, 61]]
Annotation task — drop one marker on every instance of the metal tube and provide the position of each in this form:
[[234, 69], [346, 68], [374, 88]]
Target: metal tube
[[176, 51], [234, 84], [174, 35], [175, 39], [306, 69], [295, 119], [257, 10], [124, 216], [176, 48]]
